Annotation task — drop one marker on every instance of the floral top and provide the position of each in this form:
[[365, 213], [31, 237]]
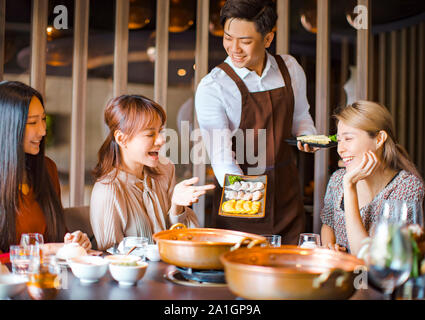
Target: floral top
[[404, 186]]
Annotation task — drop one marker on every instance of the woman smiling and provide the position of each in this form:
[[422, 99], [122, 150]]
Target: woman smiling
[[29, 184], [376, 169], [135, 192]]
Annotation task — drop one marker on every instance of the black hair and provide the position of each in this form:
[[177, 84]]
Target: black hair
[[261, 12], [15, 99]]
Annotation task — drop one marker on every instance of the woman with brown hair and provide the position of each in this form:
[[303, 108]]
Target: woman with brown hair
[[376, 169], [135, 192], [29, 183]]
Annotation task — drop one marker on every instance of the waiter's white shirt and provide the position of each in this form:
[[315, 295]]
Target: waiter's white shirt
[[218, 104]]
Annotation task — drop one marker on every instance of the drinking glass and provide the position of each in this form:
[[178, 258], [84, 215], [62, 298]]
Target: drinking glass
[[274, 240], [23, 258], [44, 280], [309, 240], [390, 253], [139, 242], [31, 239]]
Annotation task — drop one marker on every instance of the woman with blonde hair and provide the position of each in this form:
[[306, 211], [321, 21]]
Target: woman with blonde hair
[[377, 168], [135, 193]]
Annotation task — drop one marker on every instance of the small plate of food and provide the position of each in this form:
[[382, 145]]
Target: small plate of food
[[317, 141], [243, 196]]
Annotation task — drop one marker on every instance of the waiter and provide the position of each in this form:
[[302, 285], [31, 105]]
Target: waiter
[[253, 89]]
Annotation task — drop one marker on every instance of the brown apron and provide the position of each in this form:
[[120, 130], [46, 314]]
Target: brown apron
[[271, 110]]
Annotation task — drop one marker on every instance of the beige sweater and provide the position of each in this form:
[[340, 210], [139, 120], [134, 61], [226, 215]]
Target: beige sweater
[[129, 206]]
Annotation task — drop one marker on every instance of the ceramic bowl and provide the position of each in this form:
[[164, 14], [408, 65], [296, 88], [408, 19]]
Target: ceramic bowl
[[11, 285], [128, 275], [88, 269]]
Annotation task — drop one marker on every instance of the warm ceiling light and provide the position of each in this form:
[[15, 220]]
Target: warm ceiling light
[[308, 16], [182, 15], [215, 27], [181, 72], [140, 14]]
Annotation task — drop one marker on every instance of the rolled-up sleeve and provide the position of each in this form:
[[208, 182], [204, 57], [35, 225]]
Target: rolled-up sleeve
[[302, 121], [215, 130]]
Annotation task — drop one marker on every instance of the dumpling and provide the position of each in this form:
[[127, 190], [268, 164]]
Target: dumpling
[[257, 195], [240, 195], [230, 194], [258, 186], [235, 186], [247, 196], [71, 250]]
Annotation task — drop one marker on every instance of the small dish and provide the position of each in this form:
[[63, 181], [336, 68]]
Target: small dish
[[11, 285], [128, 275], [88, 269]]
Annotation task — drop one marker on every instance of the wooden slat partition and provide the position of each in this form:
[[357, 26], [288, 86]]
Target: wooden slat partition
[[79, 94], [2, 36], [393, 78], [201, 69], [322, 108], [412, 93], [121, 47], [382, 68], [283, 26], [363, 47], [161, 52], [345, 56], [38, 45], [402, 105], [421, 103]]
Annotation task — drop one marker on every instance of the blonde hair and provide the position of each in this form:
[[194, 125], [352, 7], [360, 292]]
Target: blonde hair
[[373, 117]]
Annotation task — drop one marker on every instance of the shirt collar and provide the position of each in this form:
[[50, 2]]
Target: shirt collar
[[244, 72]]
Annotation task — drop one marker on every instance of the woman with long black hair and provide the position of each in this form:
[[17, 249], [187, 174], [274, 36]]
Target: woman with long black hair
[[29, 184]]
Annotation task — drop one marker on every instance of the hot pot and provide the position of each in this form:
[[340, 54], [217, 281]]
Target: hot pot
[[290, 272], [200, 248]]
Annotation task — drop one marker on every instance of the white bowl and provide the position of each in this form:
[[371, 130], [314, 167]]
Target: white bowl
[[152, 252], [128, 275], [11, 285], [70, 250], [88, 269]]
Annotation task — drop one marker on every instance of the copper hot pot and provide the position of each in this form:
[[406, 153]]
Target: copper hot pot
[[200, 248], [290, 272]]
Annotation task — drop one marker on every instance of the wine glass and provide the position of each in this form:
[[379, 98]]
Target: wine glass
[[390, 253]]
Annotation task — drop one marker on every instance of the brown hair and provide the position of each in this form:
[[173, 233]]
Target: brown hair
[[129, 114], [373, 117]]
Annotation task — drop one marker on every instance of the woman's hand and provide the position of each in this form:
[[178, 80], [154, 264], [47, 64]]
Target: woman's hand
[[336, 247], [185, 193], [365, 169], [306, 147], [78, 237]]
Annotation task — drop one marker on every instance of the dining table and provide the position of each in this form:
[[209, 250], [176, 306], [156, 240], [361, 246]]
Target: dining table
[[155, 286]]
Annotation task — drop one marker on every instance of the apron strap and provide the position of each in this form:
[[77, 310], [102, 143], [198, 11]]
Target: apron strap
[[239, 82], [285, 74]]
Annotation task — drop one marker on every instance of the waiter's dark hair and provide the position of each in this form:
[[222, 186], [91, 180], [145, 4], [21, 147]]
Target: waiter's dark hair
[[261, 12]]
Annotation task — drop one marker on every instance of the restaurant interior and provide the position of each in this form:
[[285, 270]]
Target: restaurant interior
[[101, 52]]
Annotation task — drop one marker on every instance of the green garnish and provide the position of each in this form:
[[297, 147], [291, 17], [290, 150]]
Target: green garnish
[[333, 138], [233, 179]]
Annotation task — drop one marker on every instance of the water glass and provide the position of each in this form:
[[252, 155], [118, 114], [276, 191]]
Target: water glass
[[28, 239], [139, 242], [309, 240], [24, 259], [274, 240], [45, 280]]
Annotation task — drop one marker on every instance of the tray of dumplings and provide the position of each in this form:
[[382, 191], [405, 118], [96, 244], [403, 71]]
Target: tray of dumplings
[[243, 196]]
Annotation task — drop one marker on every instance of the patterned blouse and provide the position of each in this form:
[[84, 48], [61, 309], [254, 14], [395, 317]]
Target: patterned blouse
[[404, 186]]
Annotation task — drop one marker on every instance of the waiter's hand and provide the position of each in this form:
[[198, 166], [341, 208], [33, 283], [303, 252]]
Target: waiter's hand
[[306, 147], [185, 193]]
